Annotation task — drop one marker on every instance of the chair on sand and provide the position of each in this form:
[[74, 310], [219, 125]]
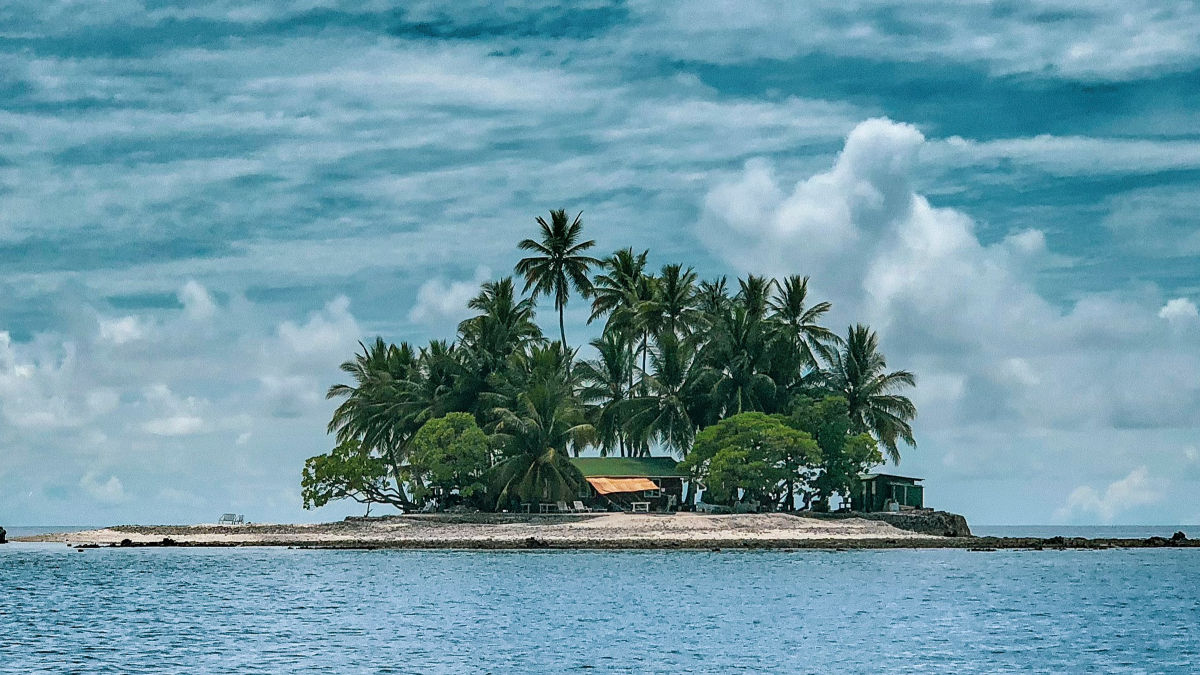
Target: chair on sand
[[580, 508], [563, 508]]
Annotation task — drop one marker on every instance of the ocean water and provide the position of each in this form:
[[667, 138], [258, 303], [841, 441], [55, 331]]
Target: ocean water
[[257, 610]]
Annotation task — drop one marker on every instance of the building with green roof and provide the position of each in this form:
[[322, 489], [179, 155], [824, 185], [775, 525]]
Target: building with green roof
[[631, 483]]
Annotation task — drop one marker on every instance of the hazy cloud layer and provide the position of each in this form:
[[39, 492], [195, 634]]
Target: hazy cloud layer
[[203, 206]]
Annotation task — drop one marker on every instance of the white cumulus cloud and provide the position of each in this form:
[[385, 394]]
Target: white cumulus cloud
[[197, 303], [110, 491], [1178, 310], [122, 330], [1135, 489], [1029, 375], [440, 299]]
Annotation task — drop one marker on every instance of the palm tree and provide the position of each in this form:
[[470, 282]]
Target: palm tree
[[559, 264], [675, 301], [673, 404], [858, 372], [802, 344], [605, 385], [380, 408], [738, 356], [712, 298], [754, 293], [538, 432], [504, 323], [620, 275]]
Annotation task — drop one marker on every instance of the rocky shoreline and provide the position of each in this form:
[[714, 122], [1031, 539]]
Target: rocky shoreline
[[775, 531]]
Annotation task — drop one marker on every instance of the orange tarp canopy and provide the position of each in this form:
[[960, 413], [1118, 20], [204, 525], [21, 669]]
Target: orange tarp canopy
[[607, 486]]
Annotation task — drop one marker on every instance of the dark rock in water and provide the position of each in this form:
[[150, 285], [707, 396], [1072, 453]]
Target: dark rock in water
[[126, 542], [3, 534], [534, 542], [167, 541], [1178, 536]]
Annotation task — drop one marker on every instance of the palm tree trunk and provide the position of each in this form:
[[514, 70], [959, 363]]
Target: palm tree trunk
[[645, 348], [562, 330]]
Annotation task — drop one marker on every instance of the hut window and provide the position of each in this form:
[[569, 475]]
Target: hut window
[[651, 493]]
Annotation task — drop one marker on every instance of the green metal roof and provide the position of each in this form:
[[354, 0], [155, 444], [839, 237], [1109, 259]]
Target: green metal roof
[[872, 476], [627, 467]]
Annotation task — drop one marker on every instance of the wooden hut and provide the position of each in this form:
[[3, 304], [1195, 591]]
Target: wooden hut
[[631, 483], [878, 491]]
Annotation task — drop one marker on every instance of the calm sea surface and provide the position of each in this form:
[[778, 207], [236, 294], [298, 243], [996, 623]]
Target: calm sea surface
[[277, 610]]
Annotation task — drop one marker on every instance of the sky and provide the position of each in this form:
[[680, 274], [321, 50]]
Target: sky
[[204, 206]]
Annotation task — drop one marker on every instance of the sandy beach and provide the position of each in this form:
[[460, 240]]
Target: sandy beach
[[608, 530]]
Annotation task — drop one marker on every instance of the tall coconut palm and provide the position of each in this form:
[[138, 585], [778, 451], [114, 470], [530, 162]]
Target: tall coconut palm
[[712, 297], [738, 355], [801, 329], [504, 323], [619, 276], [673, 405], [559, 264], [801, 345], [754, 293], [859, 374], [675, 300], [605, 386], [381, 408], [538, 432], [615, 295]]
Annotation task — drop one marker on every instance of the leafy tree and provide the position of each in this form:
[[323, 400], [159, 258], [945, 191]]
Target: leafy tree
[[859, 373], [451, 453], [349, 472], [843, 455], [559, 264], [752, 454]]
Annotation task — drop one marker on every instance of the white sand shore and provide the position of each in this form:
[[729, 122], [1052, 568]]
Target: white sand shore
[[617, 530]]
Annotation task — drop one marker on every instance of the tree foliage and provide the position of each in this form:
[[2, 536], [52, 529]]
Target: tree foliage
[[680, 364], [451, 453], [750, 456]]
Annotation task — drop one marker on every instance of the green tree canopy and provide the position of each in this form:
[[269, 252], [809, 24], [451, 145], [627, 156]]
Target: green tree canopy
[[348, 472], [451, 453], [749, 456], [844, 455]]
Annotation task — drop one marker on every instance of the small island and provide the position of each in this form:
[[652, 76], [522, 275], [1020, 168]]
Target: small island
[[751, 403], [704, 416]]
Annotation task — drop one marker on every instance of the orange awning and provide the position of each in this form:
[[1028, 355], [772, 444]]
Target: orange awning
[[606, 486]]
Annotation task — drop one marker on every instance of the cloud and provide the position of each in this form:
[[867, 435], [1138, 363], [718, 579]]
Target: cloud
[[109, 491], [1107, 40], [197, 303], [176, 416], [120, 331], [966, 316], [440, 300], [327, 333], [1179, 310], [1134, 490]]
